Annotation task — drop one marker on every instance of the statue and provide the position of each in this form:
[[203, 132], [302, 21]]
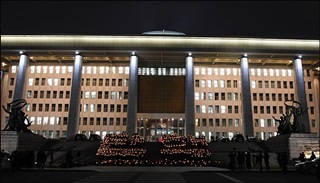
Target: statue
[[286, 123], [17, 117]]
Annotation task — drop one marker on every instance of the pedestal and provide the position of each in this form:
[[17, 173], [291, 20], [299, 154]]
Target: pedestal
[[13, 140], [294, 144]]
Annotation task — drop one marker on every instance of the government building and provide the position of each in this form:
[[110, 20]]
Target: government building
[[157, 84]]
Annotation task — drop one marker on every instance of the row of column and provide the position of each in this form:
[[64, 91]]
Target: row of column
[[74, 112]]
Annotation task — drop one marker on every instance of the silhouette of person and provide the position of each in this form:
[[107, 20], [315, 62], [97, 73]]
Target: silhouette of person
[[232, 157], [302, 157], [248, 160], [313, 156], [69, 158], [284, 162], [51, 158], [41, 159], [266, 159], [259, 160]]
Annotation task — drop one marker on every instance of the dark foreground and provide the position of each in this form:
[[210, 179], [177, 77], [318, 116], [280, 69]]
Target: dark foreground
[[148, 175]]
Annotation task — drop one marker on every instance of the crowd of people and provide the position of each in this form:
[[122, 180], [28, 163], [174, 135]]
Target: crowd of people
[[175, 151]]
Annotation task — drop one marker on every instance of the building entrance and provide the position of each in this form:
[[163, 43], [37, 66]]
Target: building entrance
[[153, 129]]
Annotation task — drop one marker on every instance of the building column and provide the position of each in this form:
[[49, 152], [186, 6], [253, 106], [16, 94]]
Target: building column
[[189, 97], [19, 90], [133, 95], [74, 106], [247, 123], [316, 83], [301, 91]]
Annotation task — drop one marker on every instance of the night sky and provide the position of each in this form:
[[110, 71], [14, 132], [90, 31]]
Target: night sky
[[264, 19]]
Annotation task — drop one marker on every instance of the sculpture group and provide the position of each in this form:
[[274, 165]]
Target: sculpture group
[[18, 120], [291, 121]]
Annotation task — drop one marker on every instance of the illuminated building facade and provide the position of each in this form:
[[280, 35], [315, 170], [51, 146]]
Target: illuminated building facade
[[156, 85]]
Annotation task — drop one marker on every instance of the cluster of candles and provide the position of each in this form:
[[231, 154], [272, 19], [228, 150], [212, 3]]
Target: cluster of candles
[[174, 141], [199, 142], [177, 151], [162, 162]]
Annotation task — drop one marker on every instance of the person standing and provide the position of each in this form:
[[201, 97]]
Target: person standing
[[302, 157], [266, 159], [284, 162], [259, 160], [313, 156], [232, 157], [41, 159], [248, 160]]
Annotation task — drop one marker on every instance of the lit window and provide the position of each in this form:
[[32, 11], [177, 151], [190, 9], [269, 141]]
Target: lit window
[[228, 71], [85, 108], [32, 68], [209, 83], [70, 68], [30, 81], [203, 83], [49, 81], [277, 72], [215, 83], [203, 107], [262, 122], [289, 72], [209, 71], [51, 69], [236, 122], [210, 109], [223, 109], [63, 69], [57, 69], [38, 120], [222, 71], [253, 83], [196, 96], [86, 94], [55, 81], [216, 71], [92, 108], [120, 70], [196, 71], [252, 72], [94, 70], [51, 120], [127, 70], [45, 120], [101, 70], [203, 71], [222, 83], [258, 72], [265, 72], [88, 69], [14, 69], [114, 70], [284, 72], [234, 71], [93, 94], [271, 72]]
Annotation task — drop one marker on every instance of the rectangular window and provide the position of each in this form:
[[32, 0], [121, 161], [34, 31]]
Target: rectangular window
[[210, 122], [113, 82], [37, 81], [104, 122], [106, 95], [118, 120], [204, 122], [230, 122], [85, 121], [197, 84], [235, 83], [111, 107], [105, 107], [111, 121], [217, 122]]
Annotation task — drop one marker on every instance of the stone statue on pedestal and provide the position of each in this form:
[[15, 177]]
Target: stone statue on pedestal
[[17, 117], [287, 124]]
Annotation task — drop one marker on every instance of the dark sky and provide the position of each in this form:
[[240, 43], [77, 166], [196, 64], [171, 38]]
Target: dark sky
[[265, 19]]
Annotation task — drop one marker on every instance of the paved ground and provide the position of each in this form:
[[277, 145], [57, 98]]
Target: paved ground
[[98, 174]]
